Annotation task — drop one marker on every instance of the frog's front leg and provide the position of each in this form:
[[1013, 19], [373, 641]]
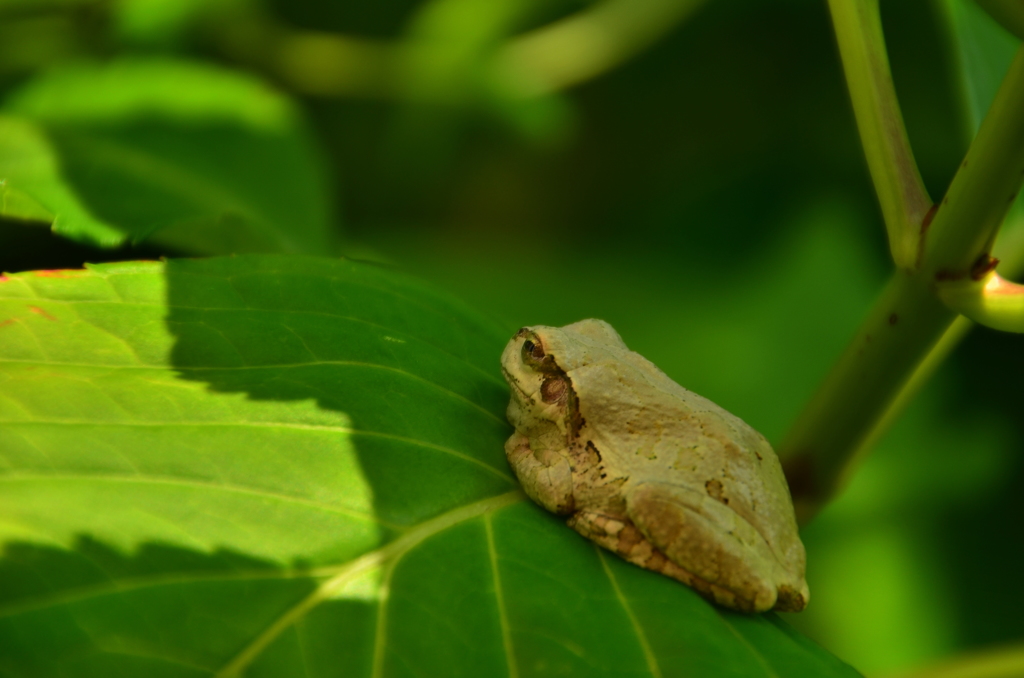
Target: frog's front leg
[[621, 536], [546, 476]]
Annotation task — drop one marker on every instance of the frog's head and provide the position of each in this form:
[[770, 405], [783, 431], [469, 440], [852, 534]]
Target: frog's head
[[543, 401], [541, 363]]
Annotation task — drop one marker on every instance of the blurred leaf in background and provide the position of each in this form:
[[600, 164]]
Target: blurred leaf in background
[[199, 159]]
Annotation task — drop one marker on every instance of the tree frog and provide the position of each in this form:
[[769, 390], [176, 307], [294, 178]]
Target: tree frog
[[657, 474]]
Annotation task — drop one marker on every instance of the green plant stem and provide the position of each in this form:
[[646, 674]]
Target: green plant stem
[[586, 44], [935, 358], [991, 301], [911, 325], [901, 329], [1010, 247], [542, 61], [986, 185], [897, 181]]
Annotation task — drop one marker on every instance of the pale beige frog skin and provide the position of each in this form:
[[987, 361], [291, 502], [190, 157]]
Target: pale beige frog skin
[[659, 475]]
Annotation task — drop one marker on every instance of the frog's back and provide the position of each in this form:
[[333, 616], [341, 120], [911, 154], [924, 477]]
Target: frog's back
[[647, 427]]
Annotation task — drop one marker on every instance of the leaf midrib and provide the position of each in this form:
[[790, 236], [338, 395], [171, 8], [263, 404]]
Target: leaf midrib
[[394, 550], [407, 540]]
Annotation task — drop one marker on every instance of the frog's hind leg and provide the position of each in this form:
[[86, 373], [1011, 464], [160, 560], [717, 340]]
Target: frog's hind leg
[[705, 538], [624, 539]]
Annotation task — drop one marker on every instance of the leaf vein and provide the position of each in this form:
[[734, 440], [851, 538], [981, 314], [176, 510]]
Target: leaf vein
[[254, 424], [641, 637], [292, 312], [506, 634], [196, 484], [343, 363], [768, 670], [345, 573], [380, 635], [113, 587]]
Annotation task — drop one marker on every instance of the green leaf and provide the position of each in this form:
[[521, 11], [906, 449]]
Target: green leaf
[[1008, 13], [285, 466], [24, 146], [166, 22], [985, 51], [201, 159]]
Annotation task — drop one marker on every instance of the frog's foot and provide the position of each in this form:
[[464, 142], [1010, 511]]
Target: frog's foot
[[622, 537], [704, 537], [546, 478]]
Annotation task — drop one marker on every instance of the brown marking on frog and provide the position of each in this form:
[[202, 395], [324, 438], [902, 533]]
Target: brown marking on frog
[[714, 489]]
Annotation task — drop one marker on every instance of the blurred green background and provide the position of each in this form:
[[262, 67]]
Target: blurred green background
[[707, 196]]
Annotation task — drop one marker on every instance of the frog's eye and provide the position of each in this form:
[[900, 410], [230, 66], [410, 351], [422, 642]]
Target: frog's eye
[[553, 389], [532, 351]]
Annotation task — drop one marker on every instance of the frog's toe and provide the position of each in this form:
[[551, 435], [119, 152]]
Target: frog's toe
[[792, 598]]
